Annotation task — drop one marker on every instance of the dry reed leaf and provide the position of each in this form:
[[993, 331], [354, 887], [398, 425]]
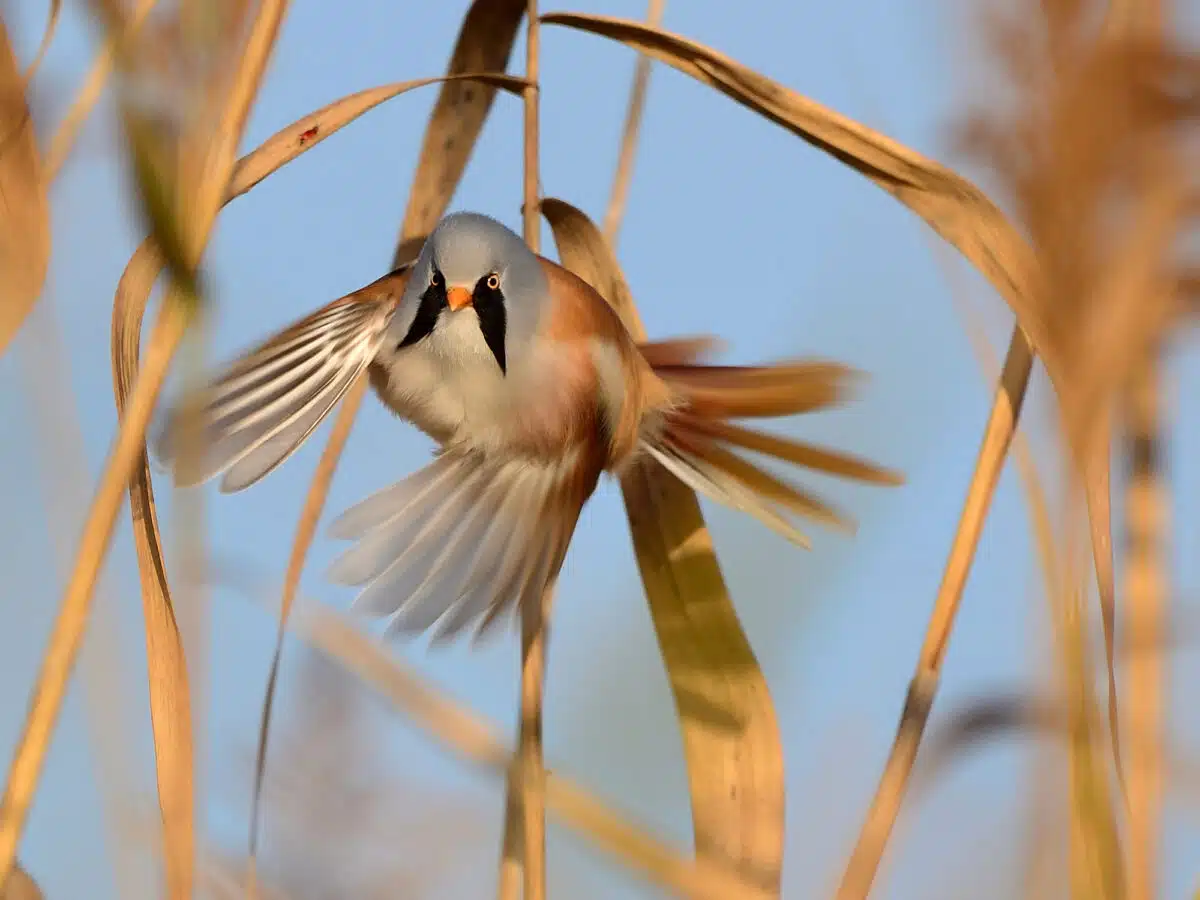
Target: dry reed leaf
[[335, 636], [528, 773], [485, 42], [47, 36], [736, 777], [20, 886], [24, 211], [951, 205], [170, 690]]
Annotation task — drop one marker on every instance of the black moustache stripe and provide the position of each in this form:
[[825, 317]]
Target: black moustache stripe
[[493, 322], [433, 301]]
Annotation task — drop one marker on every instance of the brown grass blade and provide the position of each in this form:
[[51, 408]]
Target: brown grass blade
[[221, 156], [47, 37], [24, 212], [170, 688], [951, 205], [134, 291], [485, 42], [523, 846], [737, 781]]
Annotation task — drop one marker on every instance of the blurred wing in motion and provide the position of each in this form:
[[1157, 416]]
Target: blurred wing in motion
[[268, 402], [463, 540], [700, 445]]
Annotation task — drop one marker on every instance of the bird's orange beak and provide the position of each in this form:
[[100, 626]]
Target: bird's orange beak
[[458, 297]]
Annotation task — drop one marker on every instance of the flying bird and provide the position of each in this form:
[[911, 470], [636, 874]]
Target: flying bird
[[532, 388]]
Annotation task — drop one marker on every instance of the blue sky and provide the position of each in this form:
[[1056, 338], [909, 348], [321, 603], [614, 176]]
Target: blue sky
[[733, 227]]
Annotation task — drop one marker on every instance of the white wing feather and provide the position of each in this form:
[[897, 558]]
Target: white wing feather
[[268, 402], [460, 541]]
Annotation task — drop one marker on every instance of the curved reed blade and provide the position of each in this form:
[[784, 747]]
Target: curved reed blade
[[305, 133], [167, 675], [737, 780], [24, 211], [952, 206]]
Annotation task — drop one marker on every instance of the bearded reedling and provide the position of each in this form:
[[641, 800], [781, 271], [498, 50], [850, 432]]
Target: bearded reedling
[[532, 387]]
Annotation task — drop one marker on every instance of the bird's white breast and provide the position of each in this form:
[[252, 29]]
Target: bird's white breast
[[451, 387]]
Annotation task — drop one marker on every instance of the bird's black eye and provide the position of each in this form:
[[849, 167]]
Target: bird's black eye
[[437, 281], [493, 282]]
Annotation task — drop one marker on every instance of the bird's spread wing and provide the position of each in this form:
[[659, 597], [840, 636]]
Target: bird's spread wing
[[463, 540], [267, 403]]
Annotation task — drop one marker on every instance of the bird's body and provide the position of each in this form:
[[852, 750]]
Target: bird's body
[[532, 388], [571, 384]]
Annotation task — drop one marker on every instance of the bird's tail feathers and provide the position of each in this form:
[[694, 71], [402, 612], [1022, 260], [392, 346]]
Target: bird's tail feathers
[[700, 445]]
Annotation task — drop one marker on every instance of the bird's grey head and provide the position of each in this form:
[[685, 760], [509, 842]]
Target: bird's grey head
[[471, 265]]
